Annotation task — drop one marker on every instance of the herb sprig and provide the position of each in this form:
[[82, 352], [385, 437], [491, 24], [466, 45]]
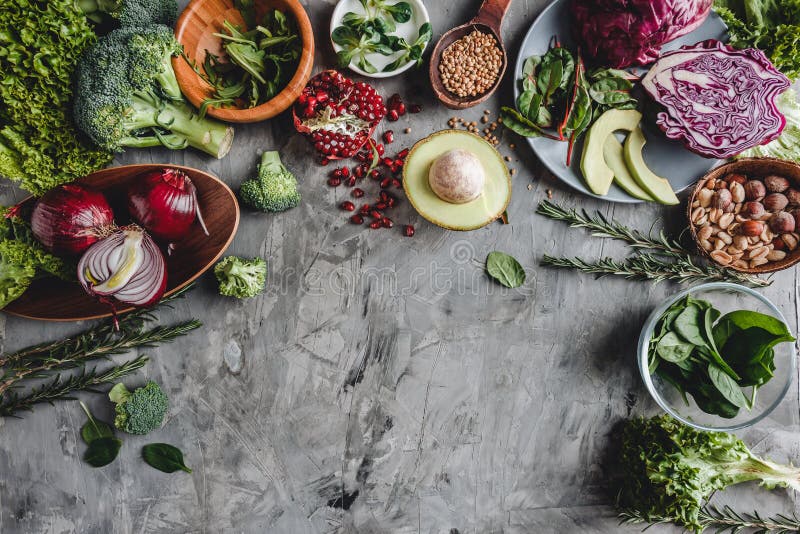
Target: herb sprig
[[656, 257], [723, 519]]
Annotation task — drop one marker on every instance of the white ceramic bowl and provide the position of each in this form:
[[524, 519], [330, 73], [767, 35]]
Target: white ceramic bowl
[[407, 30]]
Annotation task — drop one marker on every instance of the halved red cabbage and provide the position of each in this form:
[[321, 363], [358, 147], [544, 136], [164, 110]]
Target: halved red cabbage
[[621, 33], [719, 101]]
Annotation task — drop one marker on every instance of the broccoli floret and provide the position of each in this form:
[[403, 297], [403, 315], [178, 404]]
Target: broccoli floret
[[140, 411], [669, 470], [275, 188], [130, 12], [127, 95], [241, 278]]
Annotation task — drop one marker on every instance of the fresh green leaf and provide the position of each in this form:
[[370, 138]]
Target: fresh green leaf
[[727, 386], [365, 65], [688, 325], [505, 269], [94, 429], [345, 36], [401, 11], [673, 349], [519, 124], [611, 91], [164, 457], [102, 451]]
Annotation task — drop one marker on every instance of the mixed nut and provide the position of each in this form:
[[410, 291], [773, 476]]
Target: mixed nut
[[746, 222]]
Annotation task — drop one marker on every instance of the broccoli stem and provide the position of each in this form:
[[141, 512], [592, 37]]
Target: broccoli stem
[[182, 124]]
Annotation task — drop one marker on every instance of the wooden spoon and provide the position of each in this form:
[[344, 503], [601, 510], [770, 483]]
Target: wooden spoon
[[488, 20]]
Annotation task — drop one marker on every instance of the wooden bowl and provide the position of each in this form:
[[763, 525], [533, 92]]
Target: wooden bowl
[[757, 167], [51, 299], [195, 31]]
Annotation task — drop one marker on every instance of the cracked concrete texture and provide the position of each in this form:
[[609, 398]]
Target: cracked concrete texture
[[381, 384]]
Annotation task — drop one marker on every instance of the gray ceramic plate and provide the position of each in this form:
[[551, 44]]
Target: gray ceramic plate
[[665, 157]]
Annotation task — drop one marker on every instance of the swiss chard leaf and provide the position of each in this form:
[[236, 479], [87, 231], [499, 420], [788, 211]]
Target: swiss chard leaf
[[519, 124]]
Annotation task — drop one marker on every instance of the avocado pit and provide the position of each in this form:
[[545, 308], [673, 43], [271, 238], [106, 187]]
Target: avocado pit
[[457, 176]]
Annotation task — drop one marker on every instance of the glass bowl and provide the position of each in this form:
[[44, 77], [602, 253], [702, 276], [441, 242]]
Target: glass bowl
[[725, 297]]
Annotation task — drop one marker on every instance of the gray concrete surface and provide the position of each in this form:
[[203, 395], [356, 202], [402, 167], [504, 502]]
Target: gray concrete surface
[[381, 384]]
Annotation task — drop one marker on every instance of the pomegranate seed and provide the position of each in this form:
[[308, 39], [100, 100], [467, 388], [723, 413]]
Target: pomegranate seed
[[375, 214], [358, 193], [365, 209], [386, 222], [388, 136], [392, 115], [400, 109], [379, 148], [334, 182], [375, 225], [324, 161], [380, 206], [390, 202], [345, 172], [348, 206], [386, 182], [397, 183], [384, 196], [376, 174], [357, 219], [415, 108], [394, 100], [402, 154], [399, 163], [337, 173], [359, 172], [351, 181], [388, 162], [408, 230]]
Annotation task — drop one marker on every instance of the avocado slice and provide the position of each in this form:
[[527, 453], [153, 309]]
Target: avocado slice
[[597, 174], [656, 187], [488, 207], [612, 153]]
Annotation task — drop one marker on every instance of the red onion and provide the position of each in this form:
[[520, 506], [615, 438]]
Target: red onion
[[70, 218], [126, 265], [165, 203]]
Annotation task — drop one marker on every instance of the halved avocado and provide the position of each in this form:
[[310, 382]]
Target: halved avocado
[[471, 215], [612, 153], [597, 174], [656, 186]]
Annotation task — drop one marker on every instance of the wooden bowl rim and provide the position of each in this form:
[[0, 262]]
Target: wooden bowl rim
[[791, 259], [196, 92], [146, 167]]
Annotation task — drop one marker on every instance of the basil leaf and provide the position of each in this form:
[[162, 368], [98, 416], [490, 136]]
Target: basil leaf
[[673, 349], [505, 269], [102, 451], [164, 457], [727, 386], [94, 429]]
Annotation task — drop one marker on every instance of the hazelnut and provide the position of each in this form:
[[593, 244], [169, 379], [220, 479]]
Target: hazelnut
[[735, 177], [776, 184], [753, 210], [793, 195], [721, 199], [782, 222], [752, 228], [754, 190], [775, 202]]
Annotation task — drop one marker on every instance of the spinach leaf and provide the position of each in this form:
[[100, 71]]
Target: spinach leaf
[[102, 451], [673, 349], [710, 401], [727, 386], [688, 325], [164, 457], [94, 429], [505, 269]]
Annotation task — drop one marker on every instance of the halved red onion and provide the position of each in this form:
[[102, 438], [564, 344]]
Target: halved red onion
[[69, 218], [165, 203], [127, 265]]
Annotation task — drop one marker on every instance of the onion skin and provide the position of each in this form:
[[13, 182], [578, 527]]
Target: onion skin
[[164, 202], [70, 218]]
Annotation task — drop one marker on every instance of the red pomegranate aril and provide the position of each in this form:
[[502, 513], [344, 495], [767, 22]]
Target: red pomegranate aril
[[414, 108], [399, 163], [358, 172], [375, 224], [345, 172], [375, 214], [400, 109], [390, 202], [403, 153], [388, 162], [334, 182], [397, 183], [357, 219], [365, 209], [386, 222], [380, 206], [384, 196], [386, 182], [395, 99], [408, 230], [388, 136], [351, 181], [348, 206], [357, 193], [393, 115], [376, 174], [324, 161], [380, 149]]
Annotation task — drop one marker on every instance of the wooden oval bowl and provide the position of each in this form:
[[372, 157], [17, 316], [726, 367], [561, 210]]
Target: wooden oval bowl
[[757, 167], [195, 31], [51, 299]]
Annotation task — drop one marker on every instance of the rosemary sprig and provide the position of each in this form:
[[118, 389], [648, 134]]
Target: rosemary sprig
[[723, 519], [61, 388], [103, 347], [667, 258]]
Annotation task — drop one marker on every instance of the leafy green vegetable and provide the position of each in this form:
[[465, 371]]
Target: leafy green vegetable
[[505, 269], [164, 457], [241, 278], [787, 145], [668, 470], [139, 411], [130, 12], [94, 429], [274, 189], [770, 25], [712, 358], [102, 451]]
